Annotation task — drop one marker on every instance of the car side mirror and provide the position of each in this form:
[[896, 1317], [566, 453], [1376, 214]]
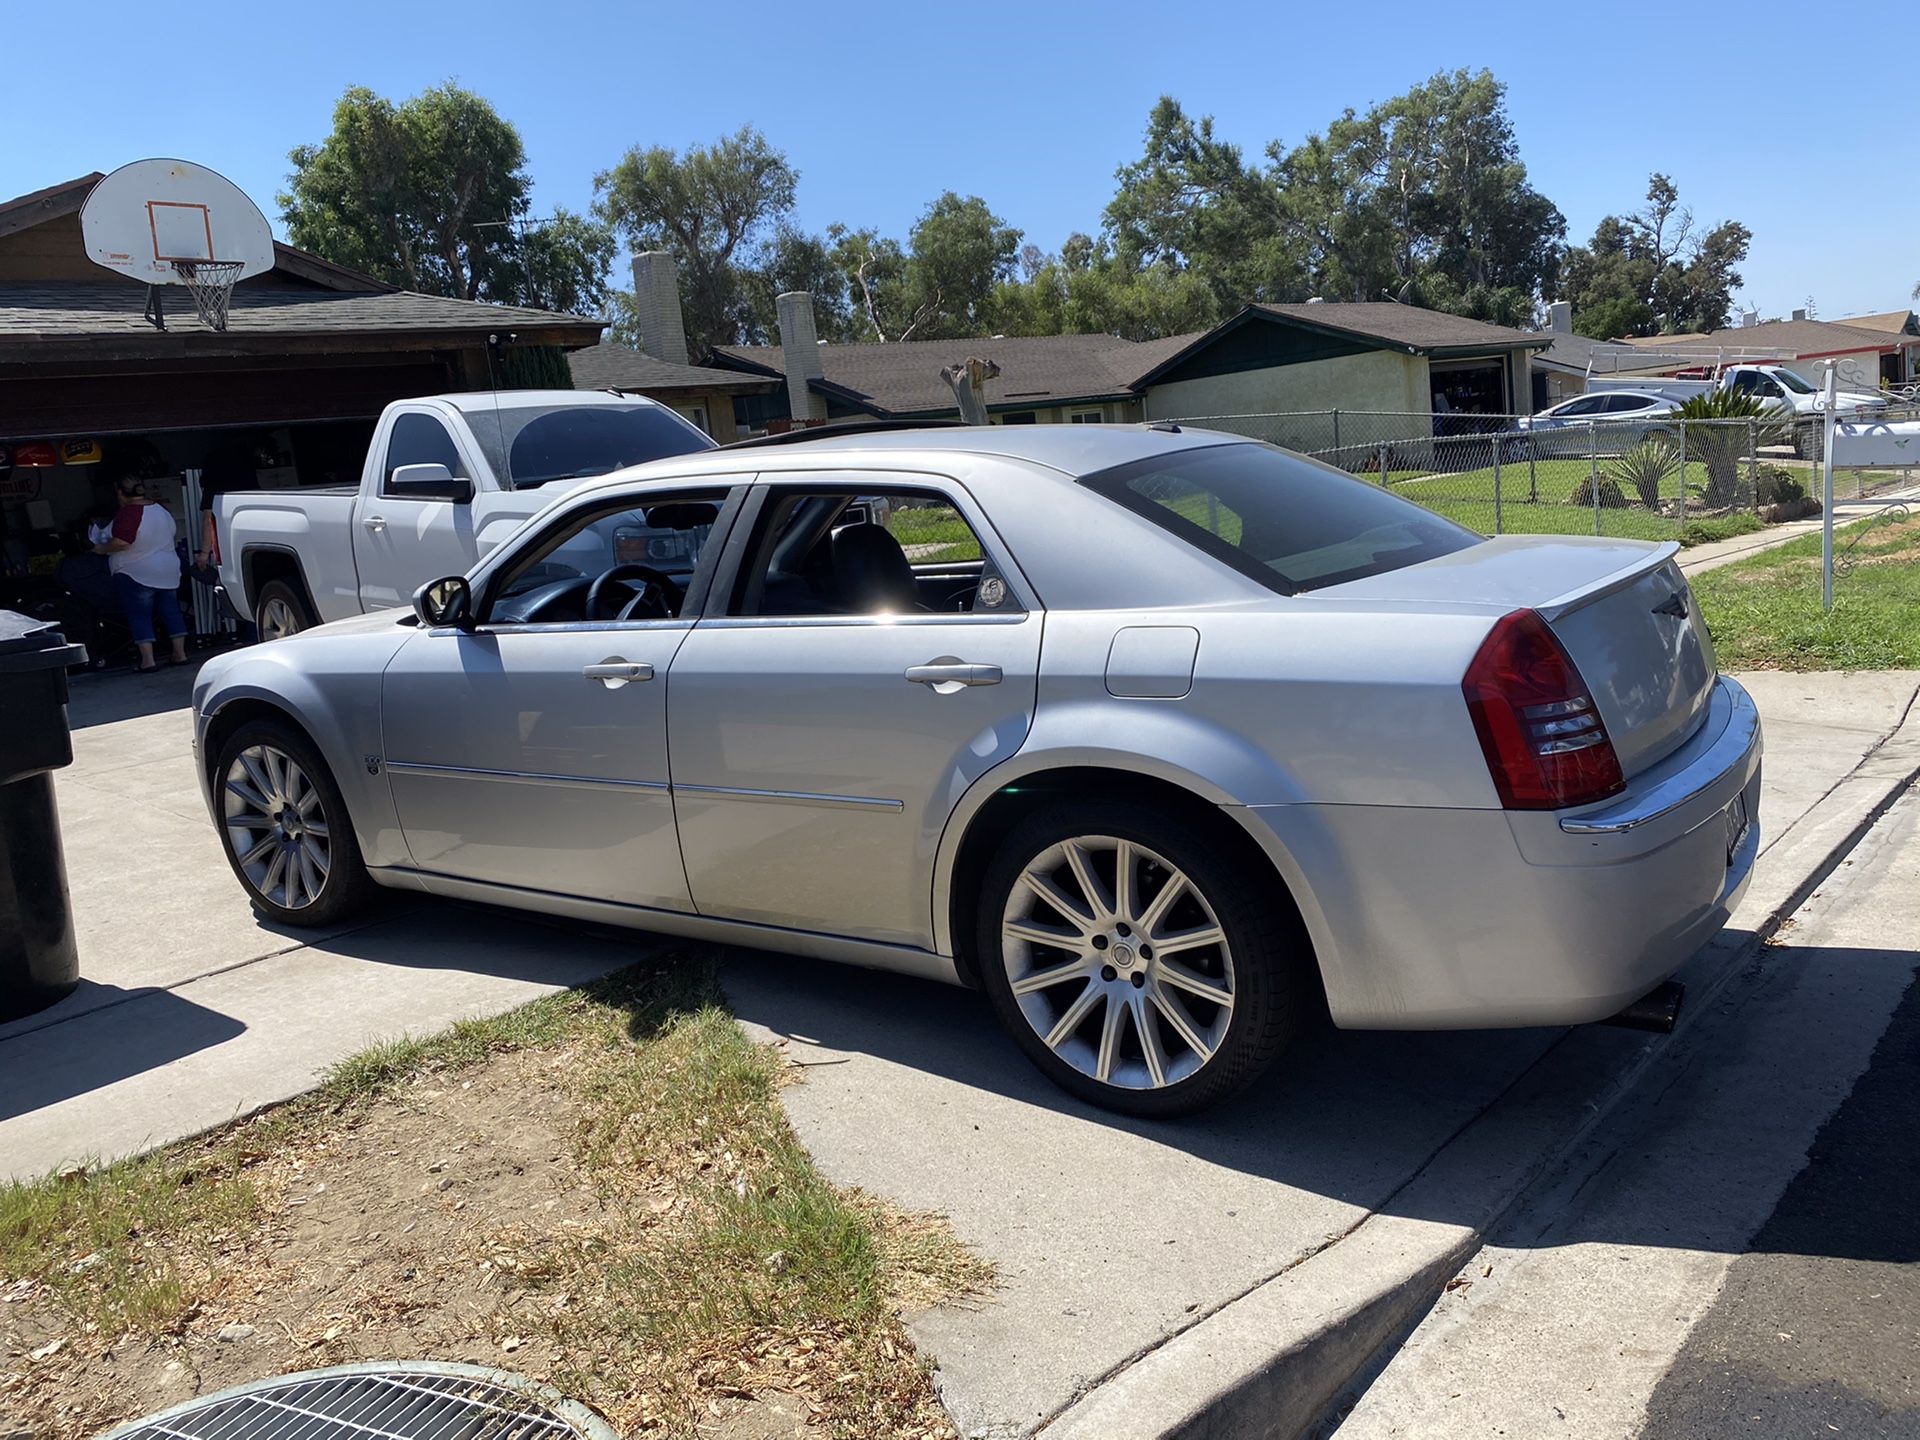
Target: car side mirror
[[428, 482], [444, 602]]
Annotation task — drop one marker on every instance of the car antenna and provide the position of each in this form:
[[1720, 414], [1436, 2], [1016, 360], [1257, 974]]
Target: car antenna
[[499, 425]]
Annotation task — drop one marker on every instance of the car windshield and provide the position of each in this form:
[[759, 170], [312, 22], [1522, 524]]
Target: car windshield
[[1289, 522], [528, 446], [1793, 381]]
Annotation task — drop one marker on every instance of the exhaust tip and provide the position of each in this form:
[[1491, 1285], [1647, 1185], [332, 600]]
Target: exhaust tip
[[1657, 1011]]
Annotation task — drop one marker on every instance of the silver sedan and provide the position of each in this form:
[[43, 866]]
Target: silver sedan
[[1164, 740]]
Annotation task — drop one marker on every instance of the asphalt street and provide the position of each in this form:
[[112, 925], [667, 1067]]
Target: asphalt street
[[1817, 1328]]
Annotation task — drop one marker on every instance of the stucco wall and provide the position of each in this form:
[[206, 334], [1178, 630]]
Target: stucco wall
[[1377, 380]]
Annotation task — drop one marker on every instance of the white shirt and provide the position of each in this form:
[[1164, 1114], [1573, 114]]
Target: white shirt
[[150, 557]]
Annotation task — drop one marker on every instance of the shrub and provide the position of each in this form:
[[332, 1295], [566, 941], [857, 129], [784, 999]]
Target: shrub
[[1646, 467], [1720, 447], [1610, 496], [1778, 486]]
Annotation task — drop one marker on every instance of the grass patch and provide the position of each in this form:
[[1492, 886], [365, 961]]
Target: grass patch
[[696, 1259], [1765, 612]]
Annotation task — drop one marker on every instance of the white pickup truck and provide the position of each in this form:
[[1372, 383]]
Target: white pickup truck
[[447, 478]]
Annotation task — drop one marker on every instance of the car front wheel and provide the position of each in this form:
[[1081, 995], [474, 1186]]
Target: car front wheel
[[284, 827], [1136, 965]]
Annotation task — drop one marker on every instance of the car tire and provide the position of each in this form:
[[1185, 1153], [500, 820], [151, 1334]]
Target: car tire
[[281, 610], [285, 830], [1084, 1027]]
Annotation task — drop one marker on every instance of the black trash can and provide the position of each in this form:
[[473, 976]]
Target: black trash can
[[38, 960]]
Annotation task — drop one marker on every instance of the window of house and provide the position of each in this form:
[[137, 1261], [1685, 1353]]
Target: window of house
[[1088, 417], [841, 552], [1020, 417]]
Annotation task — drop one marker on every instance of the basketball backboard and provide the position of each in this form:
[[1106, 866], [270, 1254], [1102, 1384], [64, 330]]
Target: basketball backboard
[[154, 220]]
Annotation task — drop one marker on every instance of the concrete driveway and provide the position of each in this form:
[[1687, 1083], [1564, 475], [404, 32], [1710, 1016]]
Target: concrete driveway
[[1130, 1254]]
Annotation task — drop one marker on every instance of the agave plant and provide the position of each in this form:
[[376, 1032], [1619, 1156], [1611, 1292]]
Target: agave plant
[[1645, 467], [1735, 422]]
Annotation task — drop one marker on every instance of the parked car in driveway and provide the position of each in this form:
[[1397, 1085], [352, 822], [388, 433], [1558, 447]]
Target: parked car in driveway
[[1166, 740], [446, 478], [1603, 423]]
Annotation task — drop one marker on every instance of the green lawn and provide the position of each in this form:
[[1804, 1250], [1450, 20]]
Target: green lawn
[[1541, 503], [1765, 611]]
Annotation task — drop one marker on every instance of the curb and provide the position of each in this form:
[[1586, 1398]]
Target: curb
[[1271, 1362]]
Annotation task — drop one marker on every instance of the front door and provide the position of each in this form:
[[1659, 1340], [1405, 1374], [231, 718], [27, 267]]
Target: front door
[[532, 750], [869, 663], [402, 541]]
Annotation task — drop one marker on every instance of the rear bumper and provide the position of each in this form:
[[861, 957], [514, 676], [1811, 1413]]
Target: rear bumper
[[1468, 919]]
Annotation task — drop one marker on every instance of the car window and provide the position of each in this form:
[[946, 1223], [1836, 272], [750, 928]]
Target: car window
[[1289, 522], [842, 552], [532, 445], [419, 439], [1585, 405], [1622, 404], [645, 554]]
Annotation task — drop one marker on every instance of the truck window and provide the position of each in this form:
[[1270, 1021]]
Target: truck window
[[529, 445], [421, 440]]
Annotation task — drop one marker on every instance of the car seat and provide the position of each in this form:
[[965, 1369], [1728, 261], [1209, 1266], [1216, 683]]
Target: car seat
[[871, 571]]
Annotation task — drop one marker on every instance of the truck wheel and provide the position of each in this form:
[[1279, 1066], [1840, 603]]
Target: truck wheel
[[284, 827], [281, 611]]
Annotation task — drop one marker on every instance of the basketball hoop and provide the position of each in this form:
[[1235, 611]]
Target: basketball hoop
[[210, 283]]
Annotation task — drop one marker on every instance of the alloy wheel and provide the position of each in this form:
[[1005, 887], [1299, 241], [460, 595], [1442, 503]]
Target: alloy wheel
[[277, 620], [277, 827], [1118, 962]]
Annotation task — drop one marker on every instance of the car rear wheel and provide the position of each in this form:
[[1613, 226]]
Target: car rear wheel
[[281, 611], [1137, 966], [284, 827]]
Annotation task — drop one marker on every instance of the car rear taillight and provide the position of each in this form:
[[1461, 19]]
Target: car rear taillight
[[1545, 742]]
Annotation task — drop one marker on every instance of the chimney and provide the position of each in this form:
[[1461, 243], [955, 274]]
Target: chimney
[[656, 297], [1749, 317], [1800, 314], [1560, 317], [800, 349]]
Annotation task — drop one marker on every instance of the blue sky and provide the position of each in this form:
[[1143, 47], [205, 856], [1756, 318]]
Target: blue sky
[[1033, 106]]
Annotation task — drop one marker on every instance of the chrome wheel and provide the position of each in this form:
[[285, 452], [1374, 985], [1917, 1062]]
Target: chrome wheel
[[277, 827], [1118, 962], [277, 619]]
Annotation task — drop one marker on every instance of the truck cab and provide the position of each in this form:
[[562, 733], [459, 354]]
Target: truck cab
[[446, 479]]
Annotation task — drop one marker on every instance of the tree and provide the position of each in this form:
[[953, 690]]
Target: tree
[[1427, 193], [960, 251], [879, 287], [714, 208], [1652, 271], [433, 195], [796, 260]]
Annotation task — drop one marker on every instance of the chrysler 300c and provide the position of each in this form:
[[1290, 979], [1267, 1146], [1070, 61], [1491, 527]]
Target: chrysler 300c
[[1163, 739]]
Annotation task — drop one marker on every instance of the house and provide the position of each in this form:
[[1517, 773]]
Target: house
[[311, 354], [1865, 358], [705, 396], [1265, 359]]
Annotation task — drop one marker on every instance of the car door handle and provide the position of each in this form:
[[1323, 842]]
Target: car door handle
[[375, 522], [944, 673], [615, 673]]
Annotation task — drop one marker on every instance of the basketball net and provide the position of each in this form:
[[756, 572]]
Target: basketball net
[[210, 283]]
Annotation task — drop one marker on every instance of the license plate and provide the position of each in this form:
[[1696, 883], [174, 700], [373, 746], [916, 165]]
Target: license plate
[[1736, 818]]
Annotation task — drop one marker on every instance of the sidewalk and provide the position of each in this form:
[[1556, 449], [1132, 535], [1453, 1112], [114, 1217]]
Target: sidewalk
[[1698, 559]]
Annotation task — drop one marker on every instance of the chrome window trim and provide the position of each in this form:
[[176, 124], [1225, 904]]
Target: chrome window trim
[[520, 777], [788, 622], [570, 627], [792, 797]]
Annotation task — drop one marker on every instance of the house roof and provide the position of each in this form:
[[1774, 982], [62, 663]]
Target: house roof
[[615, 367], [1803, 337], [903, 377], [110, 315], [1893, 321], [1408, 327], [1575, 353]]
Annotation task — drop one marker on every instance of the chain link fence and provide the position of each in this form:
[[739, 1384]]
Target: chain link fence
[[1649, 478]]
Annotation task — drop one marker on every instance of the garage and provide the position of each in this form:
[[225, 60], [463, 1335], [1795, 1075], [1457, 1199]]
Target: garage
[[93, 389]]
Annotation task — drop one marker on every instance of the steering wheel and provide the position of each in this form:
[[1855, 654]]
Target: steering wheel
[[658, 598]]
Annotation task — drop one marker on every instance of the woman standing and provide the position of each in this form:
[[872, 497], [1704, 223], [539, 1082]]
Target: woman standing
[[146, 571]]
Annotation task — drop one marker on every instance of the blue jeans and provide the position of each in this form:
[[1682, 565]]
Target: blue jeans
[[139, 602]]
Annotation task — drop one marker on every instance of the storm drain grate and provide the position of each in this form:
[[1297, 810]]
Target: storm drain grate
[[397, 1401]]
